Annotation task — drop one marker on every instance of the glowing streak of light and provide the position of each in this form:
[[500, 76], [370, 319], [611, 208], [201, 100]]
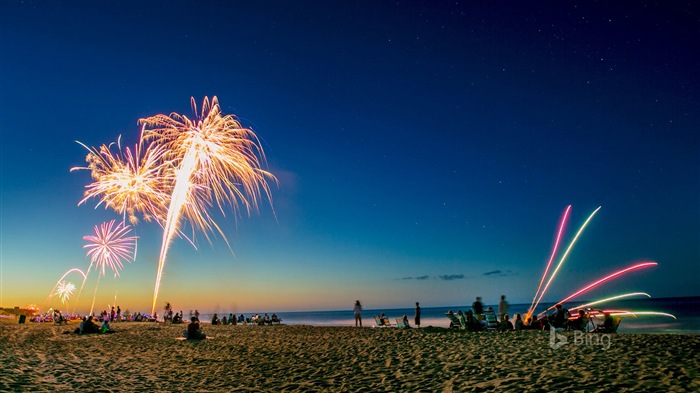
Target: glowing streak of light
[[216, 163], [51, 293], [551, 259], [604, 279], [636, 313], [563, 258], [610, 299], [94, 295]]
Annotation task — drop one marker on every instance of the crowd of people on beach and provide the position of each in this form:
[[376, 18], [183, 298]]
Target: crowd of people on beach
[[382, 320], [480, 318], [114, 315], [194, 329], [231, 319]]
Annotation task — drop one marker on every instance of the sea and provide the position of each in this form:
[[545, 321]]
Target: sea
[[685, 312]]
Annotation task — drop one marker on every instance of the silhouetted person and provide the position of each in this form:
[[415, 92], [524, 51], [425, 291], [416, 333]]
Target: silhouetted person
[[417, 317], [477, 306], [357, 311], [193, 331]]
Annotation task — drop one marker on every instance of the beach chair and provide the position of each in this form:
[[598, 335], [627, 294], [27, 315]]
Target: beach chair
[[611, 329], [491, 321], [400, 324], [385, 321], [454, 321], [378, 321]]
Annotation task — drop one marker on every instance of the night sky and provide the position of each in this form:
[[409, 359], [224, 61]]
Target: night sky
[[425, 151]]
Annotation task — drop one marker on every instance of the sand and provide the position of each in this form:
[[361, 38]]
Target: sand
[[147, 357]]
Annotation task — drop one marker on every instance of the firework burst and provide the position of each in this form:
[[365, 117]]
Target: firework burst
[[217, 163], [129, 182], [109, 246], [64, 290], [51, 293], [188, 167]]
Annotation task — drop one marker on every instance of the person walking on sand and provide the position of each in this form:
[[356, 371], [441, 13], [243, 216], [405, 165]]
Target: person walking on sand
[[502, 308], [417, 318], [358, 313]]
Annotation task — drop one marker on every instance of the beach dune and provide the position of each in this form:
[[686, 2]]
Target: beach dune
[[148, 357]]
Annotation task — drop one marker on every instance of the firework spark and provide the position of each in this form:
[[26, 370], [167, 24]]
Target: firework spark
[[551, 258], [610, 299], [129, 182], [51, 293], [637, 313], [109, 246], [217, 163], [64, 290], [187, 167], [563, 258], [604, 279]]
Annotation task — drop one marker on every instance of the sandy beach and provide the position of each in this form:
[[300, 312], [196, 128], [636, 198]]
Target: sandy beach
[[147, 357]]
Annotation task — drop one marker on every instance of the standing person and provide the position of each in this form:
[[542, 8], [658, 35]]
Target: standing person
[[358, 313], [502, 308], [478, 307], [417, 318], [119, 314], [196, 315]]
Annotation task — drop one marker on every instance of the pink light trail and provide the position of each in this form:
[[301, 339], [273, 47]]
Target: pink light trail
[[604, 279], [551, 258]]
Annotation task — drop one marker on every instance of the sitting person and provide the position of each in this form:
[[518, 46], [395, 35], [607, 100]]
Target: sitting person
[[461, 319], [505, 324], [560, 318], [177, 318], [532, 323], [405, 322], [275, 318], [88, 326], [105, 327], [608, 325], [490, 320], [580, 322], [215, 320], [193, 331], [518, 325], [58, 318], [472, 324]]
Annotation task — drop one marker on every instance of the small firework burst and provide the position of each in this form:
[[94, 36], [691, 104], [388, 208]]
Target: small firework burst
[[64, 290], [110, 245]]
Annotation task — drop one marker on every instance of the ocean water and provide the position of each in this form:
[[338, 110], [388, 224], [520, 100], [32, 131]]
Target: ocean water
[[686, 310]]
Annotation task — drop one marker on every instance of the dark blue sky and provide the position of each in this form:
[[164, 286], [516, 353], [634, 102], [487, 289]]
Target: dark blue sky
[[411, 140]]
